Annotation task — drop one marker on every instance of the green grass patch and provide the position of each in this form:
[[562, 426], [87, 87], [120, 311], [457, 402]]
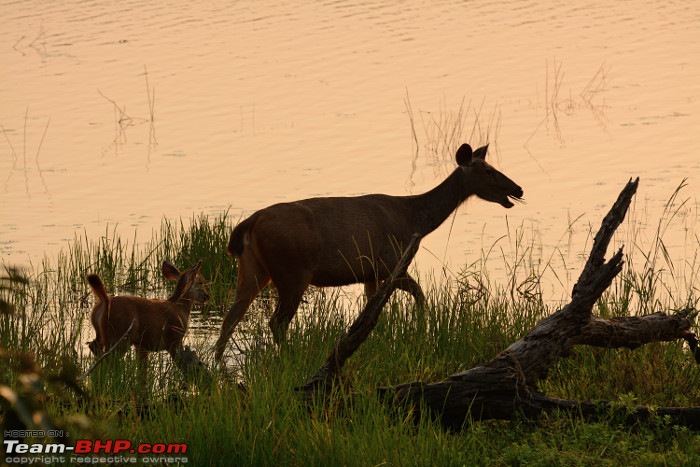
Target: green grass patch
[[468, 320]]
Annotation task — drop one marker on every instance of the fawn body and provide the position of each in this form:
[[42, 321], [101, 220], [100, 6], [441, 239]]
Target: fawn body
[[153, 325], [344, 240]]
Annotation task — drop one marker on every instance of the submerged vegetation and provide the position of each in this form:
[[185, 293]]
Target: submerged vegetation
[[253, 416]]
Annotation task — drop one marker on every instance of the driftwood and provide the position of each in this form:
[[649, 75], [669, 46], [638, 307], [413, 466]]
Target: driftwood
[[507, 384]]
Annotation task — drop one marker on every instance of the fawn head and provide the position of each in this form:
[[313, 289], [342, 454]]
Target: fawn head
[[485, 181], [190, 284]]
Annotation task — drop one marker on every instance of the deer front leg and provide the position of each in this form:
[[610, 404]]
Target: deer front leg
[[143, 373]]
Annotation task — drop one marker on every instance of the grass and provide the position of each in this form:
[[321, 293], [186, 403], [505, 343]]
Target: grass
[[468, 320]]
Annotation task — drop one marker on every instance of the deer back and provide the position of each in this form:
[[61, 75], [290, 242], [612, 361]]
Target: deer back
[[338, 240]]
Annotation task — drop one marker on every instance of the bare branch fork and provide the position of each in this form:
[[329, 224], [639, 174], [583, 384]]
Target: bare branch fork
[[507, 384]]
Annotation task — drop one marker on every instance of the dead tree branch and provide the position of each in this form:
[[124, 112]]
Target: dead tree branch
[[96, 345], [507, 384]]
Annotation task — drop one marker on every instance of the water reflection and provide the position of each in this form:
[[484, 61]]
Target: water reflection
[[126, 113]]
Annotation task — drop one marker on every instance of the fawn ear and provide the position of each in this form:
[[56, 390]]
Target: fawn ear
[[464, 155], [170, 272], [481, 152]]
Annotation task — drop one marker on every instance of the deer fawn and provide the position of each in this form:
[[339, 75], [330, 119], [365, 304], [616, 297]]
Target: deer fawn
[[346, 240], [152, 325]]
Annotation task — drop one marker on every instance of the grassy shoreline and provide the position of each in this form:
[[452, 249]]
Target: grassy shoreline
[[468, 320]]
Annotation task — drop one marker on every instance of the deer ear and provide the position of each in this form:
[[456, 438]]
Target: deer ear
[[481, 152], [197, 266], [170, 272], [464, 155]]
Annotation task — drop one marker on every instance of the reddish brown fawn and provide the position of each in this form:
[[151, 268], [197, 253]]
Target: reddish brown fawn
[[152, 325], [346, 240]]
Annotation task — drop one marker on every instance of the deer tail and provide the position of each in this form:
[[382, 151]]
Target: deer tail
[[235, 243], [98, 288]]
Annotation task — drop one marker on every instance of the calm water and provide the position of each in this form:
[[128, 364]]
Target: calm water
[[122, 113]]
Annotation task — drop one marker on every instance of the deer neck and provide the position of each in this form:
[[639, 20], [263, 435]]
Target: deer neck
[[181, 297], [433, 207]]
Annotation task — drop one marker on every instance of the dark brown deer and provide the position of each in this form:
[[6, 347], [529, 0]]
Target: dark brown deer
[[346, 240], [152, 325]]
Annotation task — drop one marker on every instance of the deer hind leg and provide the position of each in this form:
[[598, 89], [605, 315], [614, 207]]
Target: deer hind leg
[[406, 283], [252, 278], [371, 288], [290, 293], [98, 318]]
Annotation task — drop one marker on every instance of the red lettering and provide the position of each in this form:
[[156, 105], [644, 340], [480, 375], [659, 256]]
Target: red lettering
[[86, 446], [121, 445], [177, 448], [83, 446], [104, 445]]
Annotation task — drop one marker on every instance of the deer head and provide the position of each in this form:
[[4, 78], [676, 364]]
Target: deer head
[[485, 181], [190, 284]]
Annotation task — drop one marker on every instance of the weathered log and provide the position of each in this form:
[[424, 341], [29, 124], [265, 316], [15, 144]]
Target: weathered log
[[632, 332], [528, 360], [540, 403], [507, 384], [494, 391]]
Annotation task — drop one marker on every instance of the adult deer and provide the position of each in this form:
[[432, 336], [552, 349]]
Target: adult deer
[[346, 240], [152, 325]]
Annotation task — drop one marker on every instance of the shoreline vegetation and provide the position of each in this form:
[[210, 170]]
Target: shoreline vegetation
[[253, 416]]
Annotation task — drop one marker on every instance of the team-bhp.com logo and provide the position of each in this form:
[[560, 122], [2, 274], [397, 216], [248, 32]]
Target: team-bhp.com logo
[[85, 451]]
